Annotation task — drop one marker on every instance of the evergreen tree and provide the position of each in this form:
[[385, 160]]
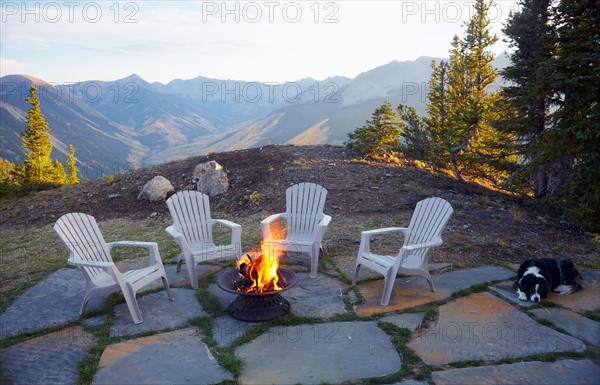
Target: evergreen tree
[[380, 135], [417, 142], [437, 109], [532, 36], [471, 107], [72, 167], [571, 141], [38, 169], [59, 176]]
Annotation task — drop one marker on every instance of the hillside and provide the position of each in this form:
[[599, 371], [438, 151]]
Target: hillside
[[129, 122], [487, 226]]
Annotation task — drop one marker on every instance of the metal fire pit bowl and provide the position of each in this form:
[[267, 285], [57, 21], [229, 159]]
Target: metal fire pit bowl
[[256, 307]]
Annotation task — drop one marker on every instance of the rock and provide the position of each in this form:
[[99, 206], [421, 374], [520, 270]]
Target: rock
[[156, 189], [212, 180]]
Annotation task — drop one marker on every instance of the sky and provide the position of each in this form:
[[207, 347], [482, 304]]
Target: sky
[[267, 41]]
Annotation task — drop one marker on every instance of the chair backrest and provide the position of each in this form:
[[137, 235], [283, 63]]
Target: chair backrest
[[304, 208], [80, 234], [428, 220], [190, 211]]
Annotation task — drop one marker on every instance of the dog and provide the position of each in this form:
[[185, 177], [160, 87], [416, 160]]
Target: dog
[[537, 277]]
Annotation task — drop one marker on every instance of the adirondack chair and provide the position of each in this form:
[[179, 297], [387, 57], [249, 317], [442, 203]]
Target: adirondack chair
[[305, 222], [423, 232], [192, 230], [91, 254]]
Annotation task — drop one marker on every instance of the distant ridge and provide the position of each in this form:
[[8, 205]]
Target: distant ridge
[[129, 122]]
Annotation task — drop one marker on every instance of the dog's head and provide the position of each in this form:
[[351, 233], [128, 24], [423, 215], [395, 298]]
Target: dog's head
[[532, 285]]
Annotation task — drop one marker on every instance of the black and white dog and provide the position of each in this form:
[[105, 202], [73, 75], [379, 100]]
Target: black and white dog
[[536, 277]]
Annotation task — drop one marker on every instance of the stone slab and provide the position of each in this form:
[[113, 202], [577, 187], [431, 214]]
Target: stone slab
[[316, 353], [583, 300], [319, 297], [414, 291], [462, 279], [54, 301], [575, 324], [402, 298], [410, 321], [506, 290], [176, 279], [410, 382], [46, 359], [484, 327], [563, 372], [158, 313], [177, 357], [226, 329]]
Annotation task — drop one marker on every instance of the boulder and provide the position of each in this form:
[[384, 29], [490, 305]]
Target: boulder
[[156, 189], [211, 178]]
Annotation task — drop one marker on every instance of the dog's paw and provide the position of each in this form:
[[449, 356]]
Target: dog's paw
[[522, 296], [563, 289]]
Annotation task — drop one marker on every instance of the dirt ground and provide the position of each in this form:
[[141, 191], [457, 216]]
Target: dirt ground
[[486, 226]]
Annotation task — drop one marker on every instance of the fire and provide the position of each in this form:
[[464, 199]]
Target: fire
[[261, 267]]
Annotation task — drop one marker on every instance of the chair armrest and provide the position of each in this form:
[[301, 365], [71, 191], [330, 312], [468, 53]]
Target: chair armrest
[[385, 230], [227, 223], [271, 218], [365, 239], [97, 264], [424, 245], [152, 248], [265, 224], [236, 231], [325, 221], [147, 245], [174, 232]]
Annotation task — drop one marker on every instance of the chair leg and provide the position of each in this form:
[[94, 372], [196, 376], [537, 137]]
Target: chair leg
[[355, 275], [191, 268], [314, 260], [389, 281], [84, 304], [167, 288], [133, 307], [430, 281]]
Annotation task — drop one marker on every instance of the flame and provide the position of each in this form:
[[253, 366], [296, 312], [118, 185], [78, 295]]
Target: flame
[[262, 266]]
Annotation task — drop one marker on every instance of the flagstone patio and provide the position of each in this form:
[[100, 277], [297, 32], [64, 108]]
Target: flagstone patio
[[486, 327]]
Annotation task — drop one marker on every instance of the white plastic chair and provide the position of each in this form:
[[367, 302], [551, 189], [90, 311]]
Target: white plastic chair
[[192, 230], [305, 222], [424, 232], [91, 254]]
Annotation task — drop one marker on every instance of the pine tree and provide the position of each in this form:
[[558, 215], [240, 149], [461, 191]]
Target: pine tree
[[476, 145], [531, 35], [437, 110], [59, 176], [379, 137], [571, 141], [72, 167], [417, 142], [38, 169]]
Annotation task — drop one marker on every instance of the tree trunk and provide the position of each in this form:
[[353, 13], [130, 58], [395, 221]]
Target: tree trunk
[[540, 184], [454, 150]]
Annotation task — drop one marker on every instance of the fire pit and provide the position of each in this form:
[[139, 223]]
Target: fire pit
[[256, 306], [258, 280]]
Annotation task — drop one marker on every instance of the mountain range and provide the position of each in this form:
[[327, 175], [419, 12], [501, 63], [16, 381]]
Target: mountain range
[[128, 123]]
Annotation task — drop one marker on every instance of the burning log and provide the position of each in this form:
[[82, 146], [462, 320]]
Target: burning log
[[254, 277]]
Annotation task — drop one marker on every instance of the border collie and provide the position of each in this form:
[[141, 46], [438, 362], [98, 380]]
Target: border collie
[[536, 277]]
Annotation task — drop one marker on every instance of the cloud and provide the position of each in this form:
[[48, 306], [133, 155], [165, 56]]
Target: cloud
[[10, 66]]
